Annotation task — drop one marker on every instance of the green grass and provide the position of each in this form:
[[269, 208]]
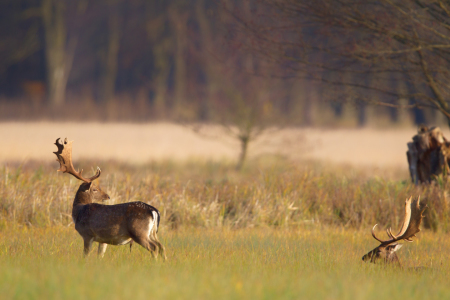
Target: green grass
[[270, 232], [310, 263]]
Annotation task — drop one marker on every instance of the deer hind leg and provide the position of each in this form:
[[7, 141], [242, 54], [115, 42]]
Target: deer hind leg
[[142, 236], [145, 242], [102, 249], [87, 245], [155, 240]]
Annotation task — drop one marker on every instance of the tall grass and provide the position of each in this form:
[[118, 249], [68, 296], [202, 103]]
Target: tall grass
[[213, 195]]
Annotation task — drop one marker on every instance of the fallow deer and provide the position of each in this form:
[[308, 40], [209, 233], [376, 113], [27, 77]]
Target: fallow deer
[[385, 252], [118, 224]]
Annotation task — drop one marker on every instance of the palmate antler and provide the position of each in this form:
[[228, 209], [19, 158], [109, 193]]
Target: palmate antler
[[64, 157], [410, 226]]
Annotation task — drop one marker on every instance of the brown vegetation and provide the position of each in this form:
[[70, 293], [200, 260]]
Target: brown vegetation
[[212, 195]]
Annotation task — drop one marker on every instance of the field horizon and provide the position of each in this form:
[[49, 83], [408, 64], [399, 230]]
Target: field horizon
[[143, 143]]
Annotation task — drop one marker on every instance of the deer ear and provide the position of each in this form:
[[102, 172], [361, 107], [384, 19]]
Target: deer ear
[[87, 186], [395, 247]]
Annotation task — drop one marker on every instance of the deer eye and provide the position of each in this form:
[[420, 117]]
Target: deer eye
[[95, 190]]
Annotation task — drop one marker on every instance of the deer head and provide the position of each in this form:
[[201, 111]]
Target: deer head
[[88, 191], [385, 252]]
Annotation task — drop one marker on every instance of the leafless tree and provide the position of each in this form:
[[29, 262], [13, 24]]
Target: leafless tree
[[59, 49], [242, 102], [380, 44]]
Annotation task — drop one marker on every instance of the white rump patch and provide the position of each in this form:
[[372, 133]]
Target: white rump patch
[[152, 223]]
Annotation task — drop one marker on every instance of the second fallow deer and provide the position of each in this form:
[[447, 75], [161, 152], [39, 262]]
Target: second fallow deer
[[118, 224], [385, 252]]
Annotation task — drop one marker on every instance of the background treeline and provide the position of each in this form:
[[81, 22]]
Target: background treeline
[[182, 60]]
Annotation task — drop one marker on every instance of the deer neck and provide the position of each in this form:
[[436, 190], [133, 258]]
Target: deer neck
[[82, 198], [83, 195]]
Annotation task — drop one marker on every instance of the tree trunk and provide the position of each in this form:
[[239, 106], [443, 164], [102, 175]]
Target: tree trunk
[[208, 69], [179, 20], [361, 113], [307, 105], [59, 60], [160, 85], [244, 139], [428, 155], [112, 52]]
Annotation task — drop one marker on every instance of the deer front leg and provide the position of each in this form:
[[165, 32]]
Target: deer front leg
[[101, 249], [87, 245]]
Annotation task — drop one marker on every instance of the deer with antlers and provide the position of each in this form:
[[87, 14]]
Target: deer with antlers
[[385, 252], [118, 224]]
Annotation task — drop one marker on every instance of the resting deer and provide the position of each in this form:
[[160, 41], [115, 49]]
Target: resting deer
[[385, 252], [118, 224]]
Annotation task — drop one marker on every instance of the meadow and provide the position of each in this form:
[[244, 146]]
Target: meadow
[[274, 230], [284, 227]]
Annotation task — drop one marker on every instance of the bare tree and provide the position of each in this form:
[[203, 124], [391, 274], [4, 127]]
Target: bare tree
[[381, 42], [246, 117], [112, 51], [179, 15], [18, 42], [160, 49], [243, 101], [59, 49]]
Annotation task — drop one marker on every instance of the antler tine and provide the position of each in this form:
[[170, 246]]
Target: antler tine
[[374, 236], [389, 233], [413, 218], [97, 174], [64, 157], [410, 225]]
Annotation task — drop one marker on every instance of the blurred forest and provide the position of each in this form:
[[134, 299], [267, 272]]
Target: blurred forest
[[177, 60]]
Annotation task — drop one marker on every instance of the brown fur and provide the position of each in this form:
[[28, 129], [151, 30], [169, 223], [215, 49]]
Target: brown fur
[[384, 254], [113, 224]]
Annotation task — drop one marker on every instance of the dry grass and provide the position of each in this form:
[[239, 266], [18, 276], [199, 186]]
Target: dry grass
[[213, 195]]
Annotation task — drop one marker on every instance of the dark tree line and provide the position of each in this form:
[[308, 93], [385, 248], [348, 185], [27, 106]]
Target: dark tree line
[[239, 63], [393, 53]]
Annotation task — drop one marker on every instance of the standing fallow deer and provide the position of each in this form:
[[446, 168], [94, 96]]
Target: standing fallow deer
[[118, 224], [385, 252]]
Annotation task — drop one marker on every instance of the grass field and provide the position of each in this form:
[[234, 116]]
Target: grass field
[[271, 231], [263, 263], [275, 230]]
